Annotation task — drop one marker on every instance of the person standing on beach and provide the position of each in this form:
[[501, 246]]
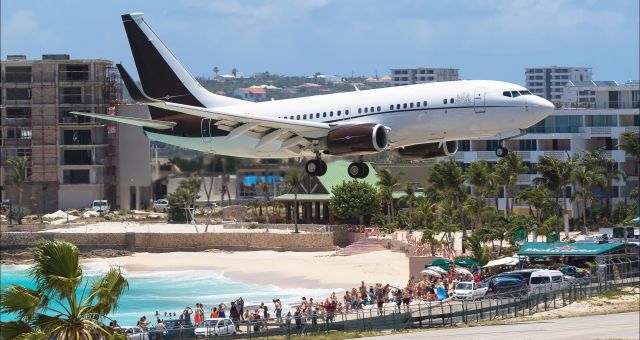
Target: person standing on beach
[[240, 303], [221, 312], [277, 306], [234, 313]]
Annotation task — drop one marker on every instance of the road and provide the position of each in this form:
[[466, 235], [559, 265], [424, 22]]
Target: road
[[612, 326]]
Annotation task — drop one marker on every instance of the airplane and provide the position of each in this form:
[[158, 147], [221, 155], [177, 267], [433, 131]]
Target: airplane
[[419, 121]]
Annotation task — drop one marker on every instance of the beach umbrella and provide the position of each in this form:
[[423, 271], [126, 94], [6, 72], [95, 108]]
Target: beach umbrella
[[437, 269], [430, 273], [463, 271], [442, 263], [465, 262]]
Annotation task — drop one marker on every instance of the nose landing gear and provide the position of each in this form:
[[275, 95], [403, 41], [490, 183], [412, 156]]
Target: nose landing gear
[[501, 151]]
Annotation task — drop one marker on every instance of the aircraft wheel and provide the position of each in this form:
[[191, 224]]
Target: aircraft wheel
[[354, 169], [365, 170], [501, 151], [322, 168], [312, 167]]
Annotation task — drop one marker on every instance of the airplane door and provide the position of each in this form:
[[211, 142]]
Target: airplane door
[[478, 100], [205, 129]]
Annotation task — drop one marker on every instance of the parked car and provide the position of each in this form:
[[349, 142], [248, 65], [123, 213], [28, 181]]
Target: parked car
[[469, 291], [546, 280], [160, 205], [503, 285], [518, 276], [174, 329], [134, 333], [215, 327], [100, 206]]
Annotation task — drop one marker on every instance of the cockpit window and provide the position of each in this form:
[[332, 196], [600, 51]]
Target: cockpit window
[[514, 94]]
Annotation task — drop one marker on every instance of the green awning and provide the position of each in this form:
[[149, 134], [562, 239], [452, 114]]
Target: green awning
[[575, 249], [442, 263], [465, 262]]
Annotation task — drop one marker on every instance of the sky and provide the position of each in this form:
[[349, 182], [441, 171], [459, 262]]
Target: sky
[[485, 39]]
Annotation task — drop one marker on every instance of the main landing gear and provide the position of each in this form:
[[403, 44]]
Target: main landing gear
[[316, 167], [358, 169]]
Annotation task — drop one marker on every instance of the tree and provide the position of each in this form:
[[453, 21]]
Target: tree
[[234, 72], [183, 199], [216, 70], [60, 306], [539, 204], [293, 179], [556, 175], [509, 168], [354, 199], [630, 143], [446, 176], [387, 184], [265, 189], [583, 178], [409, 197], [478, 175], [18, 167]]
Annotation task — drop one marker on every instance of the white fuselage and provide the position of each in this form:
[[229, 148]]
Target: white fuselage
[[479, 109]]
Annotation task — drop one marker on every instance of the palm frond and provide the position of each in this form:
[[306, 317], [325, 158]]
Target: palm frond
[[21, 300], [56, 267]]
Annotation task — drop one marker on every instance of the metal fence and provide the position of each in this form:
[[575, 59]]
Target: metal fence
[[423, 314]]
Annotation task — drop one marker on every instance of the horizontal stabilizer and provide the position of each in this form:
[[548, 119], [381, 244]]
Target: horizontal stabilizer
[[134, 91], [154, 124]]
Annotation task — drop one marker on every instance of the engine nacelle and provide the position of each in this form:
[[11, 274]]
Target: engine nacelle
[[429, 150], [357, 139]]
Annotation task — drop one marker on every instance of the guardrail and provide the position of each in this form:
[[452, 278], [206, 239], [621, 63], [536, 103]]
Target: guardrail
[[422, 314]]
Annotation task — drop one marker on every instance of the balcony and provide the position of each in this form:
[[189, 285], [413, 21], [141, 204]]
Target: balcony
[[562, 155]]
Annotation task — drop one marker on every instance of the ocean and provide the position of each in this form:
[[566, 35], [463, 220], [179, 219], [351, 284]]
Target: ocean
[[172, 291]]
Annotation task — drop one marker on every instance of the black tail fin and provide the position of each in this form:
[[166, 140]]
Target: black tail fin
[[161, 74]]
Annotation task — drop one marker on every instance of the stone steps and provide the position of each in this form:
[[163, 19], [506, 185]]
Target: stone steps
[[361, 247]]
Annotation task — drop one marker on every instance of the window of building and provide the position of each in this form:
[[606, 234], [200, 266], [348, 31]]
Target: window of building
[[613, 99], [18, 94], [492, 145], [74, 72], [71, 95], [18, 112], [77, 137], [528, 145], [464, 145], [21, 152], [18, 133], [76, 157], [567, 124], [602, 120], [18, 74], [635, 99], [75, 177]]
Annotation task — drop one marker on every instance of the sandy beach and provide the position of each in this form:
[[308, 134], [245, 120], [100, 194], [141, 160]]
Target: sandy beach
[[283, 269]]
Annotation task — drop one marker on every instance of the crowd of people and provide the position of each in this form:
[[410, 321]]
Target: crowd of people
[[379, 296]]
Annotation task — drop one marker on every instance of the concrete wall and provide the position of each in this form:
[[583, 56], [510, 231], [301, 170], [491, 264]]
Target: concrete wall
[[79, 196], [159, 242]]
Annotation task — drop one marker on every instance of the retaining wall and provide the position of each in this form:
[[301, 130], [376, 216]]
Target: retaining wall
[[160, 242]]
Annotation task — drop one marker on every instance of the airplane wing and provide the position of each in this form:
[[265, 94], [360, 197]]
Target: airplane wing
[[154, 124]]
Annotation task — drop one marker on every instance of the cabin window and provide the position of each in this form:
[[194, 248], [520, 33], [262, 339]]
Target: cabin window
[[424, 103], [331, 113], [506, 93], [359, 110], [379, 109], [371, 109], [304, 116], [339, 112], [397, 106], [366, 110], [391, 107], [515, 94], [411, 105], [444, 101], [298, 117], [318, 114], [451, 100], [404, 106], [346, 112], [417, 104], [324, 114]]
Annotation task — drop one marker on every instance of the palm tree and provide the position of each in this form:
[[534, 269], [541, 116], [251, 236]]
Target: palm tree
[[265, 189], [583, 178], [293, 180], [478, 175], [446, 176], [539, 202], [18, 177], [234, 72], [556, 175], [216, 70], [509, 168], [630, 143], [58, 307], [604, 168], [387, 184], [409, 197]]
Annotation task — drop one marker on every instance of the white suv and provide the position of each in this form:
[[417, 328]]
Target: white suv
[[215, 327]]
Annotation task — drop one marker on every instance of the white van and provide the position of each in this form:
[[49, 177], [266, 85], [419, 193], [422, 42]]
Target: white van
[[545, 280], [100, 206]]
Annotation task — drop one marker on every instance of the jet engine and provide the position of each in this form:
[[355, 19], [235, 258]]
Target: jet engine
[[428, 150], [357, 139]]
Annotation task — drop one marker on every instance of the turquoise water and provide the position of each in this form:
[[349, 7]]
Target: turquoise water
[[172, 291]]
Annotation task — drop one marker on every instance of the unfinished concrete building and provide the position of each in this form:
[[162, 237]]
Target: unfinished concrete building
[[71, 159]]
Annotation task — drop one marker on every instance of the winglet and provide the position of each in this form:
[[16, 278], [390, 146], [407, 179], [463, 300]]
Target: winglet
[[134, 91]]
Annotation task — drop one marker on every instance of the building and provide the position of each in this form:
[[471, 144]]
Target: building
[[548, 82], [569, 131], [581, 93], [419, 75], [254, 94], [71, 159]]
